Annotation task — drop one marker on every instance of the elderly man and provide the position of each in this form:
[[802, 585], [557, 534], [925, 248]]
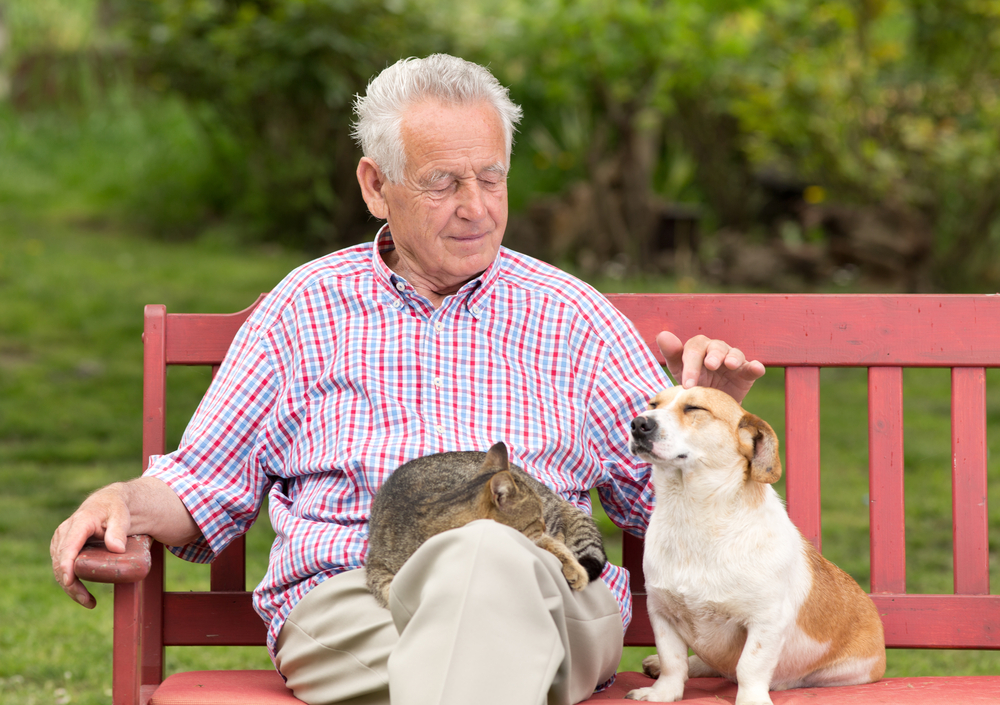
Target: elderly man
[[433, 338]]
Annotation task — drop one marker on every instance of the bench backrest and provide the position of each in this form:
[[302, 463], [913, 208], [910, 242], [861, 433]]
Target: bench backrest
[[885, 333], [801, 333]]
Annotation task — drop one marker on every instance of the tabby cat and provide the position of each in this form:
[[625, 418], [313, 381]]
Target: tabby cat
[[438, 492]]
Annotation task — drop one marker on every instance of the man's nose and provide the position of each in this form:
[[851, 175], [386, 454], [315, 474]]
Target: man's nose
[[643, 427], [472, 203]]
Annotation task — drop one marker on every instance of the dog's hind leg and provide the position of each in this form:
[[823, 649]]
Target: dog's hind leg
[[696, 668], [699, 669]]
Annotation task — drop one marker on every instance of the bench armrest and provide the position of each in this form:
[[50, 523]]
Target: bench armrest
[[99, 565]]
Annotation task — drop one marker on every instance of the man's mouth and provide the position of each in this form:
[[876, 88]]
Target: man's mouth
[[471, 237]]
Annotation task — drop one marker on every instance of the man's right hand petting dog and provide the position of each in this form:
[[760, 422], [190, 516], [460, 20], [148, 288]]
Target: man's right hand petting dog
[[728, 574]]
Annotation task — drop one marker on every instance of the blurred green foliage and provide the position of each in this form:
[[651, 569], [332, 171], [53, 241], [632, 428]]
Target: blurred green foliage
[[274, 81], [882, 103], [875, 101]]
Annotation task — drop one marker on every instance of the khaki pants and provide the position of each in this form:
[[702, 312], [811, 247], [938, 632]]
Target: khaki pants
[[477, 615]]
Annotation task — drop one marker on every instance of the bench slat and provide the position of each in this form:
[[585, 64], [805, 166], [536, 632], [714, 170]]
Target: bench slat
[[127, 642], [970, 518], [911, 621], [203, 338], [830, 330], [940, 621], [212, 619], [802, 451], [228, 572], [885, 479]]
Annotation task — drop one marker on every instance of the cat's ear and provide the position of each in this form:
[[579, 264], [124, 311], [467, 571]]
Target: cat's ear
[[504, 489], [502, 482], [496, 458]]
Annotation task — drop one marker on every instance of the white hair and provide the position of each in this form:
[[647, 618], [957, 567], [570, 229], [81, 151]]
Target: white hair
[[447, 78]]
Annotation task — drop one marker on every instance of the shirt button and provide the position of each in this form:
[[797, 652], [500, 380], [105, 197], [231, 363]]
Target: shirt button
[[400, 286], [439, 326], [440, 430], [437, 382]]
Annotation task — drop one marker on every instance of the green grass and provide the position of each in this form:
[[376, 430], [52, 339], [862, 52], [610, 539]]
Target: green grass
[[70, 393], [71, 300]]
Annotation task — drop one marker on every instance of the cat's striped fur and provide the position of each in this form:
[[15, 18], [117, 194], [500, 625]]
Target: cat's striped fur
[[439, 492]]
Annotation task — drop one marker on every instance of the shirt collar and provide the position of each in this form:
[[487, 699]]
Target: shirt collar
[[474, 292]]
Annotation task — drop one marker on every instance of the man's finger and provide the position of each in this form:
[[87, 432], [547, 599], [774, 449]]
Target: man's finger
[[66, 544], [673, 352], [696, 351], [116, 531]]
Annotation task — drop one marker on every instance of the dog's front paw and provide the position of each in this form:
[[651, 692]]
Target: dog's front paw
[[651, 666], [755, 701], [746, 696], [638, 694], [657, 693]]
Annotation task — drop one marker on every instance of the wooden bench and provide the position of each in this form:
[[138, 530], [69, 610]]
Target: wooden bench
[[800, 333]]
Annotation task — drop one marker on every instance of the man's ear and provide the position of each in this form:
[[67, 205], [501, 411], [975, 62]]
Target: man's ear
[[372, 181]]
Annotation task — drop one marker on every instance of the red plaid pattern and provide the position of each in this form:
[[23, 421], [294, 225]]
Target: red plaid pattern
[[344, 373]]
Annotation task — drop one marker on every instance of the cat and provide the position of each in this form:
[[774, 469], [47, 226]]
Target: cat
[[439, 492]]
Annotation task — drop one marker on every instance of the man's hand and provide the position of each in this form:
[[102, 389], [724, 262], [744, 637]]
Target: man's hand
[[145, 505], [103, 515], [702, 362]]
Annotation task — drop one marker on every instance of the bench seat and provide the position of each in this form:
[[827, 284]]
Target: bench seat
[[267, 688]]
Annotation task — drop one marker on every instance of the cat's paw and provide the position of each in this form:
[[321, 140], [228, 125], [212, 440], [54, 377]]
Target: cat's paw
[[575, 575]]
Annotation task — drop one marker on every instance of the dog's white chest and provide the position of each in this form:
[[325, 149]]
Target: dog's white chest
[[719, 564]]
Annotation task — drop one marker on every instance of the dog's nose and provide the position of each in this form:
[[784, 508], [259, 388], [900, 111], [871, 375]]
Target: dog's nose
[[643, 426]]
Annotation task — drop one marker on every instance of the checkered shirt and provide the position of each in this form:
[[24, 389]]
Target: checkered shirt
[[345, 372]]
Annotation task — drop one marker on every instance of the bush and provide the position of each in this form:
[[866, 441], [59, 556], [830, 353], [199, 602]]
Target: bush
[[273, 82], [887, 107]]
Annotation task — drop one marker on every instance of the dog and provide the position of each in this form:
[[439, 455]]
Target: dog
[[728, 574]]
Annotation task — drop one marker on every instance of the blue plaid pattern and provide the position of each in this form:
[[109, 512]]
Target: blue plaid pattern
[[344, 373]]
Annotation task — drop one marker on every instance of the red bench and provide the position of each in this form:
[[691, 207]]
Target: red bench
[[801, 333]]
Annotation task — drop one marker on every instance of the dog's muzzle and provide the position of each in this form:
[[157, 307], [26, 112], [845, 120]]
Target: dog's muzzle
[[644, 429]]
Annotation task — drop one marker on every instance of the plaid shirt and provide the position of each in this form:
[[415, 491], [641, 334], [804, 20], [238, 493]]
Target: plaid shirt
[[344, 372]]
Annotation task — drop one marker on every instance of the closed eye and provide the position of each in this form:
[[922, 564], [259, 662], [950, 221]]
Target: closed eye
[[440, 189], [690, 407]]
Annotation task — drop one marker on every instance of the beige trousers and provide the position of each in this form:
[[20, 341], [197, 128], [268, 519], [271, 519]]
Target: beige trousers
[[477, 615]]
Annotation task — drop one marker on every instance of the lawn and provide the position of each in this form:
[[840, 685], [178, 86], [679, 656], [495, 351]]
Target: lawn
[[71, 297]]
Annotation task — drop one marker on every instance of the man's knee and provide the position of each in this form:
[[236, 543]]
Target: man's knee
[[482, 549]]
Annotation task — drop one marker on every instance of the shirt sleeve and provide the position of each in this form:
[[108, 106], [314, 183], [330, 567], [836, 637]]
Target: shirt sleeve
[[217, 470], [631, 376]]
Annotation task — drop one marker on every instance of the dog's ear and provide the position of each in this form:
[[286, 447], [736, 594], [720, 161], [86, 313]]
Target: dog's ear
[[759, 443]]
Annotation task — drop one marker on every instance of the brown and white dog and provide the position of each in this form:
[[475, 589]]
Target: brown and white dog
[[728, 574]]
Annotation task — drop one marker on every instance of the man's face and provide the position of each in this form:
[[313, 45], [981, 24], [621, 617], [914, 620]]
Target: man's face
[[448, 214]]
